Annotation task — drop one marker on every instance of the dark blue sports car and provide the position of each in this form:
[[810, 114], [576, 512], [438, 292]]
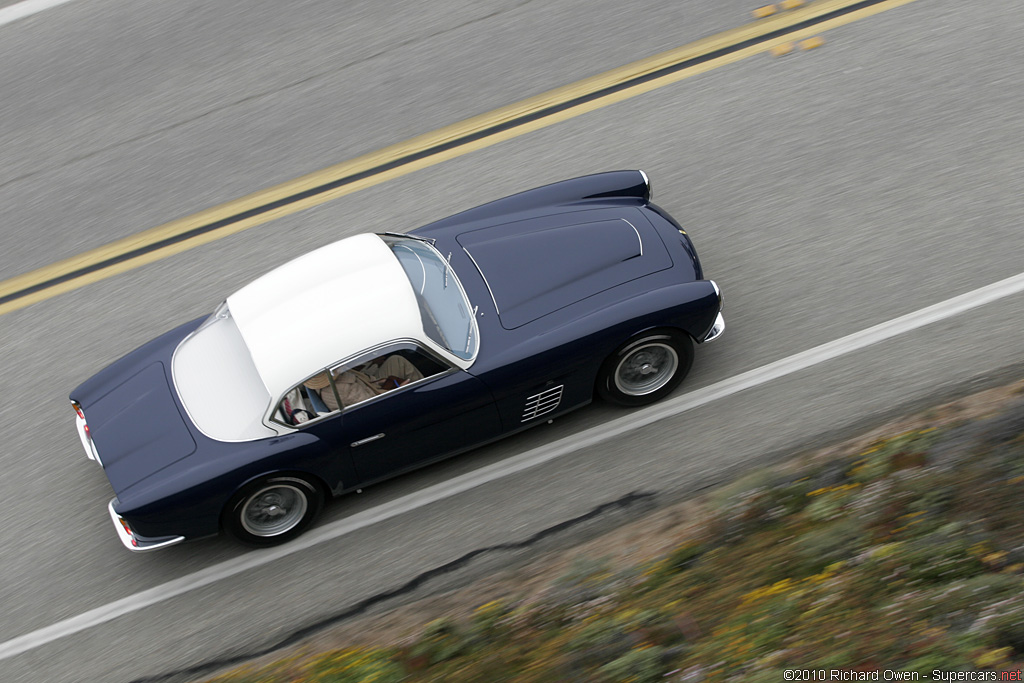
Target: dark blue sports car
[[384, 352]]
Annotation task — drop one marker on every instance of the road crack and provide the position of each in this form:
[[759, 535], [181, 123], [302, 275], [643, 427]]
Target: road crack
[[636, 499]]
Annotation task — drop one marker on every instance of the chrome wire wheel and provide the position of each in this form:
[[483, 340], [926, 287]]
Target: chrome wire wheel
[[646, 369], [274, 509]]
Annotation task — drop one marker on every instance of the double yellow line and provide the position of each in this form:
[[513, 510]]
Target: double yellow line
[[434, 147]]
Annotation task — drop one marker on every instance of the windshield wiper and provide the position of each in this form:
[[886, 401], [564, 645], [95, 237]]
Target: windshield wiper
[[447, 265], [469, 336]]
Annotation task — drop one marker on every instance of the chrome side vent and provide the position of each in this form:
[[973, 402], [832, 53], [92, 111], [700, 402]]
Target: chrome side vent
[[542, 403]]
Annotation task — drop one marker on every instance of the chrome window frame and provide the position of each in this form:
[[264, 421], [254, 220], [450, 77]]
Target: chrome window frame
[[349, 362], [319, 418], [377, 351]]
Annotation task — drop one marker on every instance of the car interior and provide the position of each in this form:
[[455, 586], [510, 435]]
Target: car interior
[[306, 401]]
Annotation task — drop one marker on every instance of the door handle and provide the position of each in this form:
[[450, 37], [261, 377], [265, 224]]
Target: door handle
[[367, 440]]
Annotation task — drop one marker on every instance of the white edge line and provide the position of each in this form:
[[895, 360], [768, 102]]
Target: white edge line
[[27, 8], [519, 463]]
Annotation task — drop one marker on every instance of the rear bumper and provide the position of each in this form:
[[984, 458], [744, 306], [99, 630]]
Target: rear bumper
[[134, 542], [87, 444]]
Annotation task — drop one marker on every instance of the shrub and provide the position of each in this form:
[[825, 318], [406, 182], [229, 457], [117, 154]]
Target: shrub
[[684, 556], [441, 641], [355, 665], [908, 449], [1001, 624], [956, 606], [826, 544], [640, 665], [603, 639], [487, 618], [585, 579]]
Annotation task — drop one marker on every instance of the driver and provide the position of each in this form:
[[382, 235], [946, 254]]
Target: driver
[[376, 377]]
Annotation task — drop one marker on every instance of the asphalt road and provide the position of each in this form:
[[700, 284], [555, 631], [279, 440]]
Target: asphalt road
[[827, 191]]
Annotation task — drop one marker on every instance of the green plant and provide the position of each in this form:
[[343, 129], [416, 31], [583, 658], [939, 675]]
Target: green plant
[[355, 665], [684, 556], [441, 640], [825, 544], [487, 618], [640, 665]]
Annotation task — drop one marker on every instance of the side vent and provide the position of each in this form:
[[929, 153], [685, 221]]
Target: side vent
[[542, 403]]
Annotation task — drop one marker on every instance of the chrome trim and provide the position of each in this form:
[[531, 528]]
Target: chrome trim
[[647, 182], [718, 293], [429, 240], [369, 354], [138, 546], [486, 283], [367, 440], [542, 403], [716, 330], [87, 444], [392, 392], [638, 238]]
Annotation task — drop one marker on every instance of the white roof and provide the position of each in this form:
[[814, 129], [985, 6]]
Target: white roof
[[323, 307], [218, 385]]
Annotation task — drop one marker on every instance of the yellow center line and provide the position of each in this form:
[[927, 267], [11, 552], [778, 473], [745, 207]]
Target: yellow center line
[[433, 148]]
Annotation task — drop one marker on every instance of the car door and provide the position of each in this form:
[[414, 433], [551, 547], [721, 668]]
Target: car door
[[438, 416], [428, 411]]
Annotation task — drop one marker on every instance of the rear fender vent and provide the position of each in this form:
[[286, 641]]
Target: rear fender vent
[[542, 403]]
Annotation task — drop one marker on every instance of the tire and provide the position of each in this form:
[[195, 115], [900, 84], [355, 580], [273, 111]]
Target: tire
[[646, 368], [273, 509]]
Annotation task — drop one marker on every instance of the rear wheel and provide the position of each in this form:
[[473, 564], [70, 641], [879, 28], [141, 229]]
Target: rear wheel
[[646, 368], [273, 509]]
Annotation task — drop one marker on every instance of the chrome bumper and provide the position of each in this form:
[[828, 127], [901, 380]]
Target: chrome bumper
[[87, 444], [716, 330], [138, 544]]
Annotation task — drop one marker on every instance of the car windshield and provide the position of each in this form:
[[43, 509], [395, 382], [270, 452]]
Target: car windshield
[[447, 314]]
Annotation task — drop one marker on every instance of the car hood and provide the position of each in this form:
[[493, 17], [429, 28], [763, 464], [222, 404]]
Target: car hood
[[537, 266], [137, 427]]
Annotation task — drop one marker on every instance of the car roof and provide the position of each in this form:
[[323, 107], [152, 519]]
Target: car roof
[[322, 307]]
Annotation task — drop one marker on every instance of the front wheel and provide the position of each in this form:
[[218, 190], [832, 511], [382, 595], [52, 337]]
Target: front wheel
[[646, 368], [273, 510]]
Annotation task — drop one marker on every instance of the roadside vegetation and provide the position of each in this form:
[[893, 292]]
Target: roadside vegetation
[[907, 554]]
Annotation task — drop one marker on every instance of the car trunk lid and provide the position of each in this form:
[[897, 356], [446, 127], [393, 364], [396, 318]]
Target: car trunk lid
[[137, 427]]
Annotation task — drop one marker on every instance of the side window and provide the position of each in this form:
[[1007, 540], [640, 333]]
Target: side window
[[383, 370], [368, 376], [310, 400]]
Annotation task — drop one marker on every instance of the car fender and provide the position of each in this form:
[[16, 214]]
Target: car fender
[[187, 498], [569, 354]]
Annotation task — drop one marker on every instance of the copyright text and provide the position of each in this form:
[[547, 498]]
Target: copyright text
[[815, 675]]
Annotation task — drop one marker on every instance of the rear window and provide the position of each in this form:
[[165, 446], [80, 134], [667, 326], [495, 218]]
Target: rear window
[[217, 381]]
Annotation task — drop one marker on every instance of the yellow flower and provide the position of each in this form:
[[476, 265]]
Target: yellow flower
[[991, 658]]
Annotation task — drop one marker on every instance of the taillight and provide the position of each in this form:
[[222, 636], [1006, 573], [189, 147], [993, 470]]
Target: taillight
[[85, 428], [128, 530], [78, 409]]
